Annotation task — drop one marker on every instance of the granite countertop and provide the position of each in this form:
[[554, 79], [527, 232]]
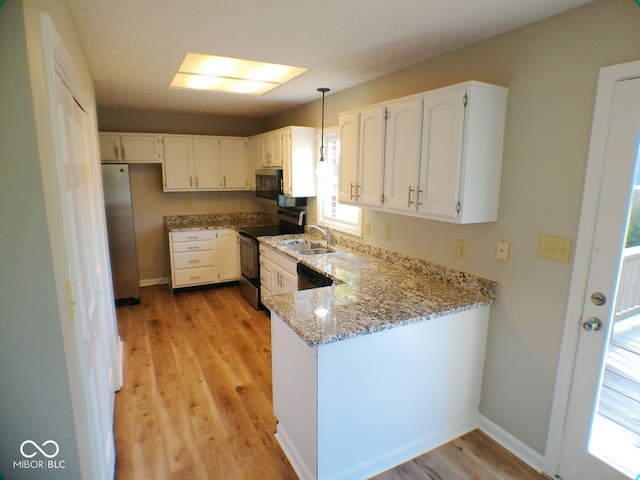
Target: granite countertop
[[210, 221], [373, 290]]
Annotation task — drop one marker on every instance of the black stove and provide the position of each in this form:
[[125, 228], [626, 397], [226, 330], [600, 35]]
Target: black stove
[[290, 220]]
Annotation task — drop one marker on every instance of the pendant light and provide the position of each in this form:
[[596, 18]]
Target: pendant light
[[322, 90]]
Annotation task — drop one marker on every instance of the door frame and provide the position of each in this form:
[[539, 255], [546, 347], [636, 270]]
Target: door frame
[[57, 61], [607, 79]]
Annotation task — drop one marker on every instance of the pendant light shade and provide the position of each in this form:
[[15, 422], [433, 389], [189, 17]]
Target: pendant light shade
[[322, 90]]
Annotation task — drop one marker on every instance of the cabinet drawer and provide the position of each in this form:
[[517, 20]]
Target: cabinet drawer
[[264, 262], [265, 252], [194, 276], [265, 278], [191, 246], [264, 291], [286, 263], [192, 235], [193, 259]]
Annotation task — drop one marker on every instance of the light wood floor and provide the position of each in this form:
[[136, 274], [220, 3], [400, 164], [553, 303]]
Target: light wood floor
[[196, 403]]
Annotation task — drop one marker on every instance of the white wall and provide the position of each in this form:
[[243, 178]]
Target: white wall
[[551, 69], [35, 400]]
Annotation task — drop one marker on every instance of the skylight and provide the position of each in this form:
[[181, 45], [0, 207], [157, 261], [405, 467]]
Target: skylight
[[235, 75]]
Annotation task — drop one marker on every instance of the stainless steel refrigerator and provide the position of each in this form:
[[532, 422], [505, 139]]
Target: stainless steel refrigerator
[[122, 240]]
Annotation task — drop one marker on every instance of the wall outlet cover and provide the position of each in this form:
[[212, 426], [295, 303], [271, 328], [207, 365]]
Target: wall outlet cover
[[461, 249]]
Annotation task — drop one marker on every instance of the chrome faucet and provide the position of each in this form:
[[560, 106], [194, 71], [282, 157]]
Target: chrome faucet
[[328, 233]]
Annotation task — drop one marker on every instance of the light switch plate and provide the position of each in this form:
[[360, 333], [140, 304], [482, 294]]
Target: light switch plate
[[502, 251], [554, 248], [387, 232]]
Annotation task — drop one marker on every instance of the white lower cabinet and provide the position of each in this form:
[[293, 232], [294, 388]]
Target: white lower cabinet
[[357, 407], [202, 257], [278, 273]]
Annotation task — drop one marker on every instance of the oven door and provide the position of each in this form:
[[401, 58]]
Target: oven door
[[249, 249]]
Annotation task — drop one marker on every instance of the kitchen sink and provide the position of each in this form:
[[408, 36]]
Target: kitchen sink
[[316, 251], [305, 247]]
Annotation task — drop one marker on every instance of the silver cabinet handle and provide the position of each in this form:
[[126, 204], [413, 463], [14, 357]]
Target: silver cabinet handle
[[115, 150], [123, 153], [420, 192], [351, 191], [409, 202]]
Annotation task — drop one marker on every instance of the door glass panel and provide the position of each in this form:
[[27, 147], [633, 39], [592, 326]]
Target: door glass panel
[[615, 431]]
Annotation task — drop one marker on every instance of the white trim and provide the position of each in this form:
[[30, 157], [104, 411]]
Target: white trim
[[607, 79], [525, 453], [150, 282]]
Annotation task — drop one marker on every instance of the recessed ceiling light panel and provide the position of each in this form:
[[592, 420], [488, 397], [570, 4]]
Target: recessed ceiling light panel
[[208, 72]]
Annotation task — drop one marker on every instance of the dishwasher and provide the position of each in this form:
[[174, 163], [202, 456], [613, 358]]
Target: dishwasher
[[309, 278]]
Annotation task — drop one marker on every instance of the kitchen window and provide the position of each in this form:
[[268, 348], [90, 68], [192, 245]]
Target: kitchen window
[[344, 218]]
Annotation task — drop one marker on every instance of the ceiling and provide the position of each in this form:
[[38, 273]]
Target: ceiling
[[135, 47]]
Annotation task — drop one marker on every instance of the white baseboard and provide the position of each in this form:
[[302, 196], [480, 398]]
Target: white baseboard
[[525, 453], [149, 282]]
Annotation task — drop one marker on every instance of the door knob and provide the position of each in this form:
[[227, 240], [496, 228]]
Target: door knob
[[592, 324]]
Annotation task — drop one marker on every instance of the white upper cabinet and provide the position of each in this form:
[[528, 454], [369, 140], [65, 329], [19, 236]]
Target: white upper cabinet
[[253, 161], [271, 149], [232, 154], [403, 154], [299, 161], [130, 147], [442, 154], [294, 150], [206, 163], [462, 152], [198, 162], [349, 134], [177, 168], [439, 185], [361, 167]]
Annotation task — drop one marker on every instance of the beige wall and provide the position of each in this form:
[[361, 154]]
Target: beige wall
[[150, 204], [551, 70]]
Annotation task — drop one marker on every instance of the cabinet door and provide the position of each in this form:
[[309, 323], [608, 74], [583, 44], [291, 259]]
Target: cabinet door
[[109, 147], [371, 159], [141, 148], [253, 161], [348, 131], [299, 161], [232, 152], [206, 163], [443, 125], [275, 139], [178, 163], [403, 154], [265, 151], [228, 255]]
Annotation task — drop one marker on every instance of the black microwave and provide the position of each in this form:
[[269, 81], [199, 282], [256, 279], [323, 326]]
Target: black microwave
[[269, 183]]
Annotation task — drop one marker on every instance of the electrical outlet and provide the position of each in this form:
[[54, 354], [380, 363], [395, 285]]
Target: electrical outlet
[[461, 249], [554, 248], [187, 204], [387, 232], [502, 251], [243, 203], [367, 227]]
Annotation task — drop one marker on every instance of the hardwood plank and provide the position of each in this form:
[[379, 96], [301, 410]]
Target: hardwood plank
[[197, 399]]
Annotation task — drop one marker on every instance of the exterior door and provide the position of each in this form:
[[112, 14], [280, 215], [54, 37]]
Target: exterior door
[[84, 287], [602, 431]]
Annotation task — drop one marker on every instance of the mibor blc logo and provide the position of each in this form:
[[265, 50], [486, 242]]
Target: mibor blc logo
[[39, 456]]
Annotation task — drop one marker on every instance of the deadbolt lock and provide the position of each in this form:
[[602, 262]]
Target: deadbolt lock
[[598, 298]]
